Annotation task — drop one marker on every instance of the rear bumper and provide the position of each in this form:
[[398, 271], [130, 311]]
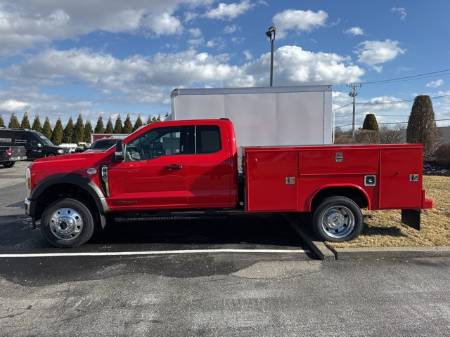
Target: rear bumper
[[427, 203]]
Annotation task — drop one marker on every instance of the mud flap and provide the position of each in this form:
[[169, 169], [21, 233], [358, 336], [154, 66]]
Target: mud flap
[[411, 218]]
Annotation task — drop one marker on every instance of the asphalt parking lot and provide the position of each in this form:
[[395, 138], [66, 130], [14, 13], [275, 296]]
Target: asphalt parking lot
[[238, 276]]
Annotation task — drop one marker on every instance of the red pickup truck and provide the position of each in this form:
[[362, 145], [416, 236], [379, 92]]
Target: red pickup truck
[[192, 166]]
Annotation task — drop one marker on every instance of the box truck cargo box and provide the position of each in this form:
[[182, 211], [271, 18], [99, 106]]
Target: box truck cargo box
[[299, 115]]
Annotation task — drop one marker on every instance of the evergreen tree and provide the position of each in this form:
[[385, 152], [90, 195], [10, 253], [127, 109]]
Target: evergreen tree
[[421, 124], [370, 123], [25, 122], [99, 128], [138, 123], [57, 134], [109, 126], [127, 126], [78, 131], [2, 122], [13, 122], [37, 124], [118, 125], [87, 132], [47, 128], [68, 131]]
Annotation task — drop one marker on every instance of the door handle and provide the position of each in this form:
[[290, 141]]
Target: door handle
[[174, 167]]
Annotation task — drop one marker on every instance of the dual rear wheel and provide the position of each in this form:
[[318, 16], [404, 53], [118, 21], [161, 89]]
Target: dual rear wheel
[[337, 219]]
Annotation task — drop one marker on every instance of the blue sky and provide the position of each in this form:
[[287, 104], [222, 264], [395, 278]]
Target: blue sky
[[62, 58]]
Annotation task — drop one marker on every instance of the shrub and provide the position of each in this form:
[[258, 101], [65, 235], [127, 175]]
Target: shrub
[[421, 124], [370, 123], [391, 136], [442, 155], [366, 136]]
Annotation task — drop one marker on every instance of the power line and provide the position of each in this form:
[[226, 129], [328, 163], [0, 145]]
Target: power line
[[393, 123], [390, 102], [410, 77], [442, 72]]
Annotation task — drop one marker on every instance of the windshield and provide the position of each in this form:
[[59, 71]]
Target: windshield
[[45, 140]]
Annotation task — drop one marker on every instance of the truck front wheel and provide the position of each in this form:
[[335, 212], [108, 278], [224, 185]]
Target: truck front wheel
[[337, 219], [67, 223]]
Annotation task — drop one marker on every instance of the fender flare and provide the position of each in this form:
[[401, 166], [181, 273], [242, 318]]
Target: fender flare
[[352, 186], [74, 179]]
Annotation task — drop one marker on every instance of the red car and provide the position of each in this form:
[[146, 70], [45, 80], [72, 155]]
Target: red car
[[187, 166]]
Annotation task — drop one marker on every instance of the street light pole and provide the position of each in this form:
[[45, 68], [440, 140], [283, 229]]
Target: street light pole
[[270, 33]]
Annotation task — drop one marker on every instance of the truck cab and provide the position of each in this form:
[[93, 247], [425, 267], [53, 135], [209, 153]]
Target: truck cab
[[191, 166]]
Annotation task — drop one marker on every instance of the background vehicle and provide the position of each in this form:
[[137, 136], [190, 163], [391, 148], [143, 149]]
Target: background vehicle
[[10, 154], [35, 143], [103, 144], [191, 166]]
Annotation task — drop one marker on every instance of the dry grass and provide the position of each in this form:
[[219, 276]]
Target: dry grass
[[384, 229]]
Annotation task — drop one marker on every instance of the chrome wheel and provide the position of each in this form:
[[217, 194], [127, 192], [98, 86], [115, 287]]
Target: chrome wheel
[[337, 221], [66, 224]]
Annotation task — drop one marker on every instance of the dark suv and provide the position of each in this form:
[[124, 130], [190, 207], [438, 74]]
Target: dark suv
[[35, 143]]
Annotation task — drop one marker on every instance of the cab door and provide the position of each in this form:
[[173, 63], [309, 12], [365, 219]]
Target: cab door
[[153, 174]]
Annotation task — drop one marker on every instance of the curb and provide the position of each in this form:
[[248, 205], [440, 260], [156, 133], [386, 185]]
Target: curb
[[390, 252], [318, 248]]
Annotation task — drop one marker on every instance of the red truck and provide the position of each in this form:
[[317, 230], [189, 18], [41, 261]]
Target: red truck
[[192, 167]]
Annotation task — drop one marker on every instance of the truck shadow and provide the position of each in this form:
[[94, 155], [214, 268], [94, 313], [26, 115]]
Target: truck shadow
[[266, 230], [378, 230]]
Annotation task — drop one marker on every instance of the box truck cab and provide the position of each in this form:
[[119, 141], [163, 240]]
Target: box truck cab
[[191, 167]]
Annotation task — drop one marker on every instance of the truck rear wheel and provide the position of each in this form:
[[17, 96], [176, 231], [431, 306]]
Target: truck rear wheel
[[67, 223], [337, 219]]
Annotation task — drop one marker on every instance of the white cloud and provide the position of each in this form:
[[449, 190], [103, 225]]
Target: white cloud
[[150, 79], [164, 24], [229, 11], [230, 29], [355, 31], [12, 105], [195, 32], [435, 84], [294, 66], [248, 55], [26, 24], [298, 20], [400, 11], [145, 79], [375, 53]]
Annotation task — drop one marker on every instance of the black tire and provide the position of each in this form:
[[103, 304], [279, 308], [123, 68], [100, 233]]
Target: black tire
[[9, 164], [86, 232], [349, 206]]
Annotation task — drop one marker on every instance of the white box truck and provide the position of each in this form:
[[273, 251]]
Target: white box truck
[[298, 115]]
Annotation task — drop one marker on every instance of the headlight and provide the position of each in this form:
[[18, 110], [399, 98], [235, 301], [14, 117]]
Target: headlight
[[28, 179], [60, 151]]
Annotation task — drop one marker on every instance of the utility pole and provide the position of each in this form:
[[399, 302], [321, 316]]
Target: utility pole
[[353, 93], [271, 35]]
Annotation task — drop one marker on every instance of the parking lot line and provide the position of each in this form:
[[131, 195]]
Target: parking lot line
[[156, 252]]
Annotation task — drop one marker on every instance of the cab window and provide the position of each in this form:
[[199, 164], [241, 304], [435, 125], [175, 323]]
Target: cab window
[[208, 139], [166, 141]]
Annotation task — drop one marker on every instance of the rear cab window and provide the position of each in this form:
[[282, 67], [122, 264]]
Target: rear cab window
[[207, 139]]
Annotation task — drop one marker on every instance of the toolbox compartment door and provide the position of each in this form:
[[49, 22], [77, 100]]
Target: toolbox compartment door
[[271, 180], [401, 178]]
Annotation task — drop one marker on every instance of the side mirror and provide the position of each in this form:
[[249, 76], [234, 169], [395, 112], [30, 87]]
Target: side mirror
[[119, 154]]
